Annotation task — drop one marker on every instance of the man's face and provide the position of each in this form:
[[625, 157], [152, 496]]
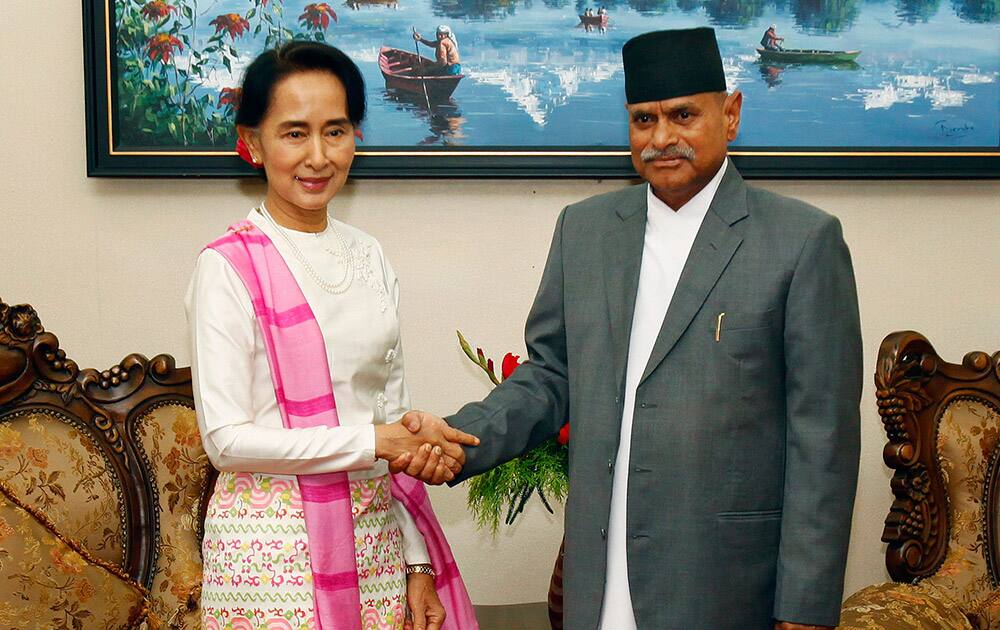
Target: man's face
[[679, 144]]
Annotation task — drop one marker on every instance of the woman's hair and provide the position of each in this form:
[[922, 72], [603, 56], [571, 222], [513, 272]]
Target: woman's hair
[[273, 66]]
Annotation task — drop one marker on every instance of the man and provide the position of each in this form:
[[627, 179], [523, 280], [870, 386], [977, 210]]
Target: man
[[446, 51], [770, 40], [703, 337]]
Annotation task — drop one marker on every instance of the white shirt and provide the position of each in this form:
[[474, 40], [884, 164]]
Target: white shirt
[[669, 237], [238, 414]]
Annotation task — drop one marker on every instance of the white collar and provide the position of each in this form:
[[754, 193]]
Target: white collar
[[698, 205]]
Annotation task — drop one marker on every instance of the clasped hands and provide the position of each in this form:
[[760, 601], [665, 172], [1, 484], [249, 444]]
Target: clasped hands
[[423, 446]]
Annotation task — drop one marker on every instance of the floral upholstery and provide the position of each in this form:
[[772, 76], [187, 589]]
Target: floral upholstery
[[961, 593], [168, 435], [55, 584], [967, 435], [56, 468], [892, 606]]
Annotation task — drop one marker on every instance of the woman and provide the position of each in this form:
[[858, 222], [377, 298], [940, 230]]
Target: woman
[[298, 370]]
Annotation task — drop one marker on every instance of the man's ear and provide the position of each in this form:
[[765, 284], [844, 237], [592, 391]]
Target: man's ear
[[732, 109]]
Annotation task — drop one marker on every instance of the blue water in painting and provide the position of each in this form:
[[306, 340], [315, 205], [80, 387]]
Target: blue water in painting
[[928, 74]]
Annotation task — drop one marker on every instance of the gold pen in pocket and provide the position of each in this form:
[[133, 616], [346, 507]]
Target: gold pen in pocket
[[718, 327]]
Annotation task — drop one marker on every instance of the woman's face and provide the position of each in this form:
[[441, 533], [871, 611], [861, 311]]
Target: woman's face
[[306, 143]]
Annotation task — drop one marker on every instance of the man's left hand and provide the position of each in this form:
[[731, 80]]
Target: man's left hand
[[788, 625]]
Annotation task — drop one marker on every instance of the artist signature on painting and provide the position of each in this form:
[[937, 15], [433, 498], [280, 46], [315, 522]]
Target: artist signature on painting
[[950, 128]]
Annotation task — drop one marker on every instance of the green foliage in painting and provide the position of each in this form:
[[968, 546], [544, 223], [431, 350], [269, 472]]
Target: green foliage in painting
[[178, 66]]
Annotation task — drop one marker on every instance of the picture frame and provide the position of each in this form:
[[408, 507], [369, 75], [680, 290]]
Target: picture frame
[[110, 154]]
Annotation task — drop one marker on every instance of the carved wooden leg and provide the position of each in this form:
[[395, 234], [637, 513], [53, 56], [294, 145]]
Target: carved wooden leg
[[556, 591]]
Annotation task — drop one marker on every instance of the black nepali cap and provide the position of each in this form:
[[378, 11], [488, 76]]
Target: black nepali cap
[[668, 64]]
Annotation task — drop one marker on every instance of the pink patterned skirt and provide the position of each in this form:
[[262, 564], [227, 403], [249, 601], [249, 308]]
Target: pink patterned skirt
[[256, 556]]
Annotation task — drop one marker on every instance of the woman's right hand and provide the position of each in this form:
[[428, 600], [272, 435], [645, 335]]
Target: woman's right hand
[[429, 440]]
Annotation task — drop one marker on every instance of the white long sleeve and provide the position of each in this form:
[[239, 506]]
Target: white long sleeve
[[398, 403], [238, 415], [239, 432]]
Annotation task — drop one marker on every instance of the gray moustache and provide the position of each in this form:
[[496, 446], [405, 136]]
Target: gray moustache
[[648, 155]]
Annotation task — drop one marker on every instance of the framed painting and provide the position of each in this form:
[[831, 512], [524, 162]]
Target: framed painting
[[534, 88]]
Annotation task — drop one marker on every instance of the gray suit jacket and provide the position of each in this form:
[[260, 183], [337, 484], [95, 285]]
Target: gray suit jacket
[[744, 450]]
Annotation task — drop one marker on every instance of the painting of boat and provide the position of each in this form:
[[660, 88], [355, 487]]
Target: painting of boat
[[404, 70], [802, 55]]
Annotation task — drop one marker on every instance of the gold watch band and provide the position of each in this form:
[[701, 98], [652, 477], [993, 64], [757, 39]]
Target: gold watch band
[[426, 569]]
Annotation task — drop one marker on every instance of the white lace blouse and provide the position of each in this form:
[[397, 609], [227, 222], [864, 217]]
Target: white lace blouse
[[237, 410]]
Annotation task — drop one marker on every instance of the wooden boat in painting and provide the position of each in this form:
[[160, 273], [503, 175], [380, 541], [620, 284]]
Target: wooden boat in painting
[[600, 21], [402, 69], [801, 55]]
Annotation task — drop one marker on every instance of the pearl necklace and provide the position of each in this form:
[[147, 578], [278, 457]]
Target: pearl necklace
[[340, 285]]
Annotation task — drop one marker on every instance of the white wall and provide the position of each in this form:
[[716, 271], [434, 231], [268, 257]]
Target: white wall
[[106, 263]]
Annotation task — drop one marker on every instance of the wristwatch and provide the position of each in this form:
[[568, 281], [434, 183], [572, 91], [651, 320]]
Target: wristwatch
[[426, 569]]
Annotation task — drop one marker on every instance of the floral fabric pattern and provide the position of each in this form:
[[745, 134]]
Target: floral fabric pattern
[[56, 468], [50, 584], [961, 593], [967, 435], [257, 570], [169, 438], [892, 606]]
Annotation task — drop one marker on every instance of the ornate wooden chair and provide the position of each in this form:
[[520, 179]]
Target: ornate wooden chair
[[112, 461], [943, 529]]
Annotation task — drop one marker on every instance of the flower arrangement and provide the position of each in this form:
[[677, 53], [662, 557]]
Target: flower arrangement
[[504, 491]]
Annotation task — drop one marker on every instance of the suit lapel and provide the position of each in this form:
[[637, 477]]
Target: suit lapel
[[622, 251], [711, 252]]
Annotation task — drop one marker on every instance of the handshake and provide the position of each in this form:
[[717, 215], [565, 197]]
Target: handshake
[[423, 446]]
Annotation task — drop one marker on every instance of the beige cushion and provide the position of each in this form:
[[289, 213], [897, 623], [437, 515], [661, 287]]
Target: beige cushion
[[57, 469], [892, 606], [51, 582], [168, 436], [967, 434]]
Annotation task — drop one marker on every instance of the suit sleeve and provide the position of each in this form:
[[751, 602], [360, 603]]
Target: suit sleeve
[[823, 374], [531, 405]]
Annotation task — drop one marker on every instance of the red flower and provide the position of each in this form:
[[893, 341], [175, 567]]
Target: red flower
[[510, 363], [317, 16], [563, 437], [162, 47], [157, 10], [233, 24], [230, 97]]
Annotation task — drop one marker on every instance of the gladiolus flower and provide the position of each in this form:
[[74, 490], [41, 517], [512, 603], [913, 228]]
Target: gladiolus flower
[[563, 437], [233, 24], [162, 47], [157, 10], [510, 363], [231, 97], [317, 16]]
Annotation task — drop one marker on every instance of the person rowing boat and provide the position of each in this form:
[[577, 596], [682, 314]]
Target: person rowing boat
[[448, 61]]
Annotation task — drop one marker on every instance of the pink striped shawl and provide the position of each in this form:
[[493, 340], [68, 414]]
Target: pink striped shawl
[[296, 354]]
